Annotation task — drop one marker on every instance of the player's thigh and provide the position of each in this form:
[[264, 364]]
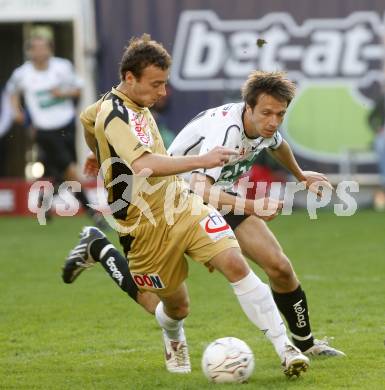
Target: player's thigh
[[213, 241], [156, 258], [231, 264], [258, 242], [208, 237]]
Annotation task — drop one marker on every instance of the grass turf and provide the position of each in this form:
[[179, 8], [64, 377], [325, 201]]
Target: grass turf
[[91, 336]]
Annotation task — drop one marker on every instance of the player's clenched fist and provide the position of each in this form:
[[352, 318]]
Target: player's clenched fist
[[316, 182], [267, 208], [217, 157]]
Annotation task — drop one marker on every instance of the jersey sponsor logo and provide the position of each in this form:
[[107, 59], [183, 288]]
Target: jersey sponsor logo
[[148, 280], [140, 129], [216, 226], [230, 173]]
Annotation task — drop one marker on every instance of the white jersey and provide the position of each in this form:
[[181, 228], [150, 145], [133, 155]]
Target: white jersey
[[47, 112], [222, 126], [5, 112]]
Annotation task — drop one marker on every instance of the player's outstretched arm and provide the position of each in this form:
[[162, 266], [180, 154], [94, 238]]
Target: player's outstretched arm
[[161, 165], [313, 180], [284, 155]]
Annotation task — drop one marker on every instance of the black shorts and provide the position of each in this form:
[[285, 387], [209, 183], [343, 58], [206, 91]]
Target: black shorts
[[57, 149], [234, 220]]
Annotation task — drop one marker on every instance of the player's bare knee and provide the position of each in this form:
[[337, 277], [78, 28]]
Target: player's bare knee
[[237, 268], [184, 311], [178, 311], [280, 268], [231, 264]]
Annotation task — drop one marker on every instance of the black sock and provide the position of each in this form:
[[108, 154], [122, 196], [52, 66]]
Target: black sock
[[293, 306], [81, 197], [116, 266], [44, 200]]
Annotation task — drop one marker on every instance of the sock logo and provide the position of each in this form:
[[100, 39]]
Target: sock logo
[[115, 273], [299, 311]]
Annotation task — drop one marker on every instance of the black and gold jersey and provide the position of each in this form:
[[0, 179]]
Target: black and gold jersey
[[124, 131]]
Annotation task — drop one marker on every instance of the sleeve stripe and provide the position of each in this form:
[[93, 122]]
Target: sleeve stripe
[[227, 133], [118, 111], [193, 145]]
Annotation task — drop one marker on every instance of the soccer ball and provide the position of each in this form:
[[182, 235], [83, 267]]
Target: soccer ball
[[228, 360]]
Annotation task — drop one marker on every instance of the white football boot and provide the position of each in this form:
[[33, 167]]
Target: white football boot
[[294, 362], [321, 348], [176, 355]]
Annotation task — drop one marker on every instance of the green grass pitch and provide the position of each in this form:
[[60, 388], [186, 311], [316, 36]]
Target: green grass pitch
[[89, 335]]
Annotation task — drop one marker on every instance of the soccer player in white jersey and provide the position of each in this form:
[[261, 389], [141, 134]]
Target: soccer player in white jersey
[[49, 86], [250, 127]]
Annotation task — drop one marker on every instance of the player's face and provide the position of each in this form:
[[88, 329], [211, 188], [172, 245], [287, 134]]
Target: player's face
[[266, 116], [39, 51], [149, 88]]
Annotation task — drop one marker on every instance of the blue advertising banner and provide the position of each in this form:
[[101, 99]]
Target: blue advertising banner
[[333, 50]]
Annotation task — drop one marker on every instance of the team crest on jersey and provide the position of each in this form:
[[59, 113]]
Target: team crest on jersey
[[226, 109], [216, 227], [148, 280], [140, 128]]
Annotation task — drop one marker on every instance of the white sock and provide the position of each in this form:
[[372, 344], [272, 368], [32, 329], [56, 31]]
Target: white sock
[[257, 302], [172, 328]]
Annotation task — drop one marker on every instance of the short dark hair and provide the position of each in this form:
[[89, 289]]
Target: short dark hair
[[142, 52], [275, 84]]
